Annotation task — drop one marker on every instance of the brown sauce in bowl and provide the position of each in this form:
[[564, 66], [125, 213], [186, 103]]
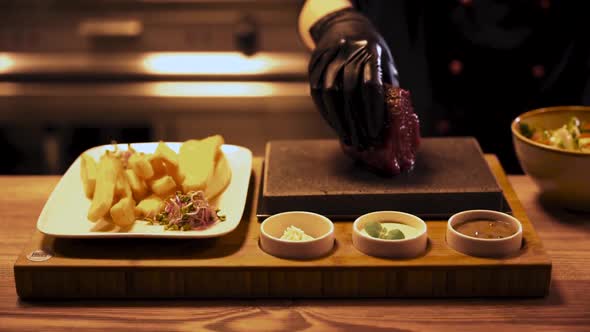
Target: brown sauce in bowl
[[486, 228]]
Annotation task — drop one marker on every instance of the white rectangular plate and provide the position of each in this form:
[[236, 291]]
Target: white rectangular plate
[[64, 213]]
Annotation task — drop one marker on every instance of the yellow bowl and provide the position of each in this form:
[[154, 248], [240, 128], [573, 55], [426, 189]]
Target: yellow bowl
[[562, 175]]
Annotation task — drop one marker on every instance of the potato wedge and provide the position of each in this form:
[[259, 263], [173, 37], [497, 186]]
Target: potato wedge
[[174, 172], [88, 174], [164, 186], [157, 165], [149, 207], [122, 187], [220, 179], [108, 170], [138, 186], [140, 164], [123, 213], [197, 161], [166, 154]]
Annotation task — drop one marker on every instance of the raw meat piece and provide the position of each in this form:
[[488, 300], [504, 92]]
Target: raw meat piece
[[401, 137]]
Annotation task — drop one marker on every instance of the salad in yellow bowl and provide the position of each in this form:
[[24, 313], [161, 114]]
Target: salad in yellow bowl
[[573, 135]]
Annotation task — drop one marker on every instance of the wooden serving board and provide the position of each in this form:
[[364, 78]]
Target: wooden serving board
[[234, 266]]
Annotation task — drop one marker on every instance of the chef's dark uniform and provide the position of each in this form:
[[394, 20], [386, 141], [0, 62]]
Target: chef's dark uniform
[[474, 65]]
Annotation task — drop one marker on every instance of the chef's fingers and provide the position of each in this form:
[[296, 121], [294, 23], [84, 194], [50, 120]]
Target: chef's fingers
[[333, 94], [373, 95], [363, 112], [318, 68], [314, 70], [333, 103], [353, 103], [389, 72], [318, 65]]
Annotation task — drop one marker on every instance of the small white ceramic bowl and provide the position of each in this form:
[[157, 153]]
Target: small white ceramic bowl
[[483, 247], [313, 224], [404, 248]]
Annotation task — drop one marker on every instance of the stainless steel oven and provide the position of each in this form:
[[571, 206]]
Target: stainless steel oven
[[78, 73]]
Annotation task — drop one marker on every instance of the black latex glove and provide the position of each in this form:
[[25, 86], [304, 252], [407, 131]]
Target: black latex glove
[[347, 72]]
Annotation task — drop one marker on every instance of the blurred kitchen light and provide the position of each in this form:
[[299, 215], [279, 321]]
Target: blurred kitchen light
[[212, 89], [5, 62], [207, 63], [105, 27]]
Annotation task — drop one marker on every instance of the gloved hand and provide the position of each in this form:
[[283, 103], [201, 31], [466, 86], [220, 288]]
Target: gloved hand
[[347, 72]]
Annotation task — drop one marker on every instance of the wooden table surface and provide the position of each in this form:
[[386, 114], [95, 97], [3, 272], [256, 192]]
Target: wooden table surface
[[564, 234]]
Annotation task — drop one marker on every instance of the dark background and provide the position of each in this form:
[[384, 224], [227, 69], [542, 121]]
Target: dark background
[[472, 67]]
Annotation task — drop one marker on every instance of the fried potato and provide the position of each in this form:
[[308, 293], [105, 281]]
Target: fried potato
[[157, 165], [163, 186], [197, 161], [166, 154], [122, 178], [88, 174], [138, 187], [220, 179], [149, 206], [122, 187], [123, 213], [141, 165], [175, 174], [108, 170]]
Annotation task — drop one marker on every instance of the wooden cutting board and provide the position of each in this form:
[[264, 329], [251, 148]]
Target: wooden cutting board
[[451, 175], [234, 266]]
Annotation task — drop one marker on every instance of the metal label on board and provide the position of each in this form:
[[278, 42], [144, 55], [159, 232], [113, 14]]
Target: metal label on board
[[39, 255]]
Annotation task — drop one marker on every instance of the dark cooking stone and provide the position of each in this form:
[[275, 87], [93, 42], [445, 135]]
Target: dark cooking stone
[[450, 175]]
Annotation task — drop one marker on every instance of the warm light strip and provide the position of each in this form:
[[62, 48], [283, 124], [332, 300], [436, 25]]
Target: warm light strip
[[212, 89], [207, 63], [6, 62]]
